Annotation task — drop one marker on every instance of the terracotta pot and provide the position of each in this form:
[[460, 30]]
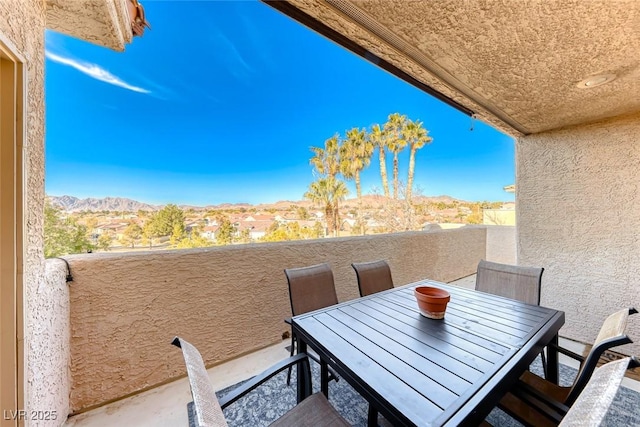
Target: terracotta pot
[[432, 301]]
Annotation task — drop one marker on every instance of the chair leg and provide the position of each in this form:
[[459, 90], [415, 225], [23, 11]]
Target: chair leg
[[293, 345]]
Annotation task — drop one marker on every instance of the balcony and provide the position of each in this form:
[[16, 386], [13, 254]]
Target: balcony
[[113, 323]]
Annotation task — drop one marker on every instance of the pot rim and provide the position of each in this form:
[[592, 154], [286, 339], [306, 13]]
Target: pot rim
[[431, 292]]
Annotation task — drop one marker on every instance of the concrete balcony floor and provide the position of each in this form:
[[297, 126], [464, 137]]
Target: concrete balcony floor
[[166, 405]]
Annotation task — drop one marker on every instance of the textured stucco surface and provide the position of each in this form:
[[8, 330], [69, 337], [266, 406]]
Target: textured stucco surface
[[46, 299], [22, 25], [51, 332], [578, 204], [501, 244], [103, 22], [126, 308], [515, 63]]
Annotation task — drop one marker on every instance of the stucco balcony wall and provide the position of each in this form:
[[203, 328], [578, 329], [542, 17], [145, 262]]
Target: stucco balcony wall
[[501, 243], [577, 204], [228, 301]]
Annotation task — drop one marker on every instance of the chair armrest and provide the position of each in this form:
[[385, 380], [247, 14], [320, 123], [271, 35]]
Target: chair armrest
[[254, 382], [567, 352]]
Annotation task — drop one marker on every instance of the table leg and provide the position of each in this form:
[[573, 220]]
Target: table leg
[[303, 375], [372, 416], [324, 378], [552, 361]]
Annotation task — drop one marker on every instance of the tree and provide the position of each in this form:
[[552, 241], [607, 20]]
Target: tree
[[292, 231], [355, 155], [226, 230], [63, 236], [328, 189], [105, 240], [131, 234], [328, 192], [397, 214], [395, 143], [245, 236], [302, 212], [416, 137], [277, 233], [166, 219], [378, 138], [148, 233], [325, 160], [317, 230], [91, 223], [177, 234], [193, 240]]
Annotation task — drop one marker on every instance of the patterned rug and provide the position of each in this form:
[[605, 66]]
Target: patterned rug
[[272, 399]]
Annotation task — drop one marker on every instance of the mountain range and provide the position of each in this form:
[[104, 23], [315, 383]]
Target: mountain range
[[74, 204], [122, 204]]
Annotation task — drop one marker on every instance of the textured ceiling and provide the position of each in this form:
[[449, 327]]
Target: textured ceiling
[[514, 63], [103, 22]]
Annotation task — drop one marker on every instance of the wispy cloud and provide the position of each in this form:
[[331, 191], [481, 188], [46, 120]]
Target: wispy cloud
[[232, 58], [95, 71], [233, 51]]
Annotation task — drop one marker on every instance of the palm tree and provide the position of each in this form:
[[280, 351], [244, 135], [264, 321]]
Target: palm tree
[[395, 143], [355, 155], [377, 136], [325, 160], [417, 137], [318, 192], [328, 192], [339, 192]]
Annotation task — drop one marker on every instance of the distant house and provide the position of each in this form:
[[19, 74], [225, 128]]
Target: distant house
[[503, 216], [347, 224], [257, 217], [210, 232], [307, 223], [190, 225], [115, 228], [257, 228], [285, 218]]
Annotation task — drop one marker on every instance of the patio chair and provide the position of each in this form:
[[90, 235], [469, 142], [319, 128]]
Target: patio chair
[[310, 288], [592, 404], [535, 401], [374, 276], [206, 408], [511, 281]]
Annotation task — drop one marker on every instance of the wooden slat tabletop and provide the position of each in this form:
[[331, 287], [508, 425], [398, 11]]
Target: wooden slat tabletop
[[420, 371]]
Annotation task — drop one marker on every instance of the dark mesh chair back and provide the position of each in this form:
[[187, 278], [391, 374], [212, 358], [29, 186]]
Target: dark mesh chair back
[[311, 288], [374, 276], [511, 281]]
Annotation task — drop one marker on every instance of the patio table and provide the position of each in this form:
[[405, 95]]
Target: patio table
[[425, 372]]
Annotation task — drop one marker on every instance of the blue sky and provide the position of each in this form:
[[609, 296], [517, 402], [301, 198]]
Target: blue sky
[[220, 102]]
